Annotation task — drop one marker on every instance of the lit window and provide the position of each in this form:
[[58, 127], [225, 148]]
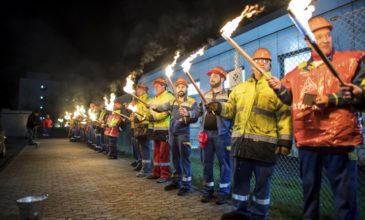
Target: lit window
[[41, 107], [41, 97], [191, 88], [42, 86]]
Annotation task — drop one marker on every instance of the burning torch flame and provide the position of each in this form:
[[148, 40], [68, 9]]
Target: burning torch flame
[[60, 120], [248, 12], [68, 115], [80, 111], [92, 115], [303, 10], [133, 108], [187, 63], [169, 70], [128, 88], [109, 104]]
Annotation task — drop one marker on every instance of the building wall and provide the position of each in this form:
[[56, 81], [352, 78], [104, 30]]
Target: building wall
[[14, 122]]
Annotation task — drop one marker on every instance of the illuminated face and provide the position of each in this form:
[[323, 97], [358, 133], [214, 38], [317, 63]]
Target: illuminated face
[[140, 91], [264, 64], [159, 88], [181, 90], [215, 80], [324, 40]]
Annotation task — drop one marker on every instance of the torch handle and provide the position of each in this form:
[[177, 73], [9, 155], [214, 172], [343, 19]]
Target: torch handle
[[140, 100], [120, 114], [245, 55], [173, 88], [196, 87]]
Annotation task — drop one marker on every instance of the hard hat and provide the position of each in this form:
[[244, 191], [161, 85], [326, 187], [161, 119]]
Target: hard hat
[[262, 53], [117, 105], [159, 80], [316, 23], [218, 70], [181, 81], [143, 86]]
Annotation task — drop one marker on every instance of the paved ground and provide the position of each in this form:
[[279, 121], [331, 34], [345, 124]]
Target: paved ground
[[83, 184]]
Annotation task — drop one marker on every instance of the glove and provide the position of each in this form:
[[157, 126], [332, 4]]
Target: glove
[[214, 107], [282, 150], [150, 118]]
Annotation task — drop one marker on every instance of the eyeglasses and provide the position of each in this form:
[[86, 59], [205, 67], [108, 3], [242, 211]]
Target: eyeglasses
[[262, 61]]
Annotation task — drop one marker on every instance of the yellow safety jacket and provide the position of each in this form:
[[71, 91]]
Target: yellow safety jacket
[[259, 118]]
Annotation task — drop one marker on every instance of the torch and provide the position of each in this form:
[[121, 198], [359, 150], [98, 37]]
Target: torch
[[231, 26], [169, 71], [109, 104], [300, 11], [186, 66], [128, 88], [120, 114]]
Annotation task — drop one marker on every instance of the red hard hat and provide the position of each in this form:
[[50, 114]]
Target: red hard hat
[[218, 70], [318, 22], [181, 81], [159, 80], [262, 53]]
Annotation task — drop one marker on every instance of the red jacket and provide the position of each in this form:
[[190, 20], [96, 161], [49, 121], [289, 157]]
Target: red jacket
[[330, 126], [113, 123], [47, 123]]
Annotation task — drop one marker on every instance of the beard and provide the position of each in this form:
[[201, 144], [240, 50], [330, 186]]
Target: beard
[[215, 85], [181, 93]]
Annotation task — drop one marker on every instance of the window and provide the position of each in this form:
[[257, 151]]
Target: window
[[290, 60], [191, 89], [234, 78]]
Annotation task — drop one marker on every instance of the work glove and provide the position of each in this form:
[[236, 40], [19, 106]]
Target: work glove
[[214, 107], [282, 150]]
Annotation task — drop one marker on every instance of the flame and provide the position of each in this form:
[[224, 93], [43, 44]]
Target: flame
[[80, 111], [60, 120], [187, 63], [128, 88], [133, 108], [248, 12], [109, 104], [303, 10], [169, 70], [92, 115], [68, 115]]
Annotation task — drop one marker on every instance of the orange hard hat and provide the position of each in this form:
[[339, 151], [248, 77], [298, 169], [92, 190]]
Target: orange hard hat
[[218, 70], [181, 81], [160, 80], [318, 22], [262, 53], [143, 86]]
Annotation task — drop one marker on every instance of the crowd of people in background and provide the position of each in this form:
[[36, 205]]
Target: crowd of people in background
[[246, 129]]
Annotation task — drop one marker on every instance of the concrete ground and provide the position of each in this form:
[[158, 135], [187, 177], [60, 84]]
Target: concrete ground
[[83, 184]]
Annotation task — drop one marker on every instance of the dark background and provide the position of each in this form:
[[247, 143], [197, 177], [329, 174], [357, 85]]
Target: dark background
[[94, 45]]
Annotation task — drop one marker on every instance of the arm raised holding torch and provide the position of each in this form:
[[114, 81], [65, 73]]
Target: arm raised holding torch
[[128, 88]]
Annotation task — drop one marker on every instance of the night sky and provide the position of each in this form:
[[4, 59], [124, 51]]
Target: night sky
[[93, 43]]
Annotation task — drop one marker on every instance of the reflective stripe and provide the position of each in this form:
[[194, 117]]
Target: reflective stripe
[[240, 197], [223, 185], [146, 161], [186, 179], [285, 137], [286, 112], [156, 164], [264, 112], [209, 184], [160, 129], [261, 201], [165, 164], [255, 137]]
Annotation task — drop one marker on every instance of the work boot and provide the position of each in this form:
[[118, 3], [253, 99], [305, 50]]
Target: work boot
[[161, 180], [138, 167], [141, 174], [222, 199], [134, 163], [234, 215], [183, 191], [152, 177], [207, 197], [171, 186]]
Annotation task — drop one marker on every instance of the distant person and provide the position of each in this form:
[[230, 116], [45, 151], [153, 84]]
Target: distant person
[[32, 123], [47, 125]]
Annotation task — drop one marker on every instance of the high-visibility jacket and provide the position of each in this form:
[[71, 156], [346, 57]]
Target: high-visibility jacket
[[113, 123], [259, 117], [160, 120], [143, 110], [335, 125]]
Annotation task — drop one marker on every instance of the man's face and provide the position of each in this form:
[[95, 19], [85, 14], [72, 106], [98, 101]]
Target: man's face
[[140, 91], [215, 80], [181, 90], [324, 40], [159, 88], [36, 114], [264, 64]]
